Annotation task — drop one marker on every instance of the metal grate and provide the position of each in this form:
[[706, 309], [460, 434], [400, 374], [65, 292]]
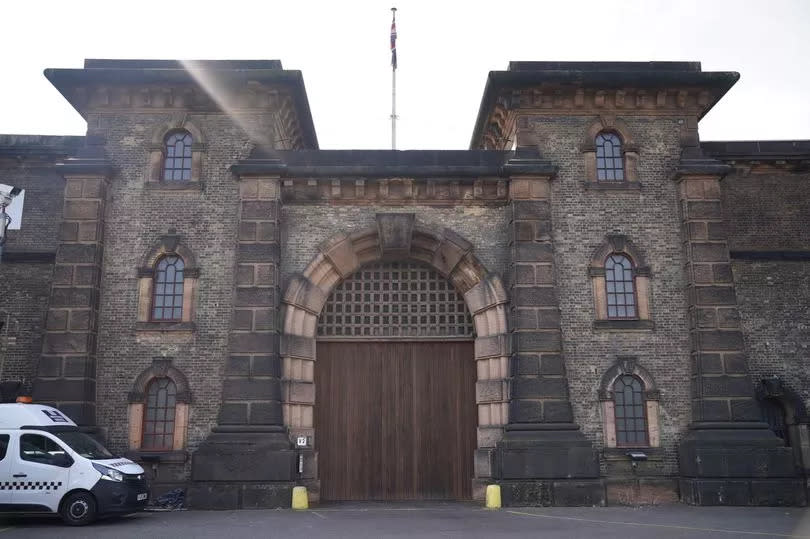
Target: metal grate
[[158, 424], [609, 161], [400, 299], [621, 291], [631, 415]]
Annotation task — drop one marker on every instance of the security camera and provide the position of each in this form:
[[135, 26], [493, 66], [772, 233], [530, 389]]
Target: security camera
[[7, 194]]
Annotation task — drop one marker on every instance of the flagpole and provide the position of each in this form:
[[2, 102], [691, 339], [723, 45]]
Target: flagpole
[[393, 79]]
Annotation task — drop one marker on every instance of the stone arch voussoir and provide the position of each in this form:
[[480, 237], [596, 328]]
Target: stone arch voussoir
[[160, 368], [397, 236]]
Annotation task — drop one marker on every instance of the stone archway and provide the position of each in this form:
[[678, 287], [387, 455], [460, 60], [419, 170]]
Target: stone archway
[[398, 237]]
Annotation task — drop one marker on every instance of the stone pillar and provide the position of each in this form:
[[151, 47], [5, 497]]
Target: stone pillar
[[729, 456], [247, 461], [544, 459], [66, 373]]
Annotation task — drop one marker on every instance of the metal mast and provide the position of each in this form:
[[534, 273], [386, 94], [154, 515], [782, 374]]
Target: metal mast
[[394, 78]]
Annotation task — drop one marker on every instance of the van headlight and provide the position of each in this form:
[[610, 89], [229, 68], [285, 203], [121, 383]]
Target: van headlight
[[108, 473]]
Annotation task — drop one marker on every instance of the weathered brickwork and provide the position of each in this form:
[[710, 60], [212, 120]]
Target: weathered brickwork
[[137, 218], [767, 210], [774, 301], [647, 216], [25, 289], [303, 227], [27, 161], [767, 213]]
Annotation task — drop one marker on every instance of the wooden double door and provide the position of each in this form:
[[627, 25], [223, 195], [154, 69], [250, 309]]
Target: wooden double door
[[395, 420]]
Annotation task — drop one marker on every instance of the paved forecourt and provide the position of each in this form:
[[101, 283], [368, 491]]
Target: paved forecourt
[[439, 520]]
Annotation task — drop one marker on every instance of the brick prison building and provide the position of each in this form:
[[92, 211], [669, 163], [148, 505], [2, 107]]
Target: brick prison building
[[588, 306]]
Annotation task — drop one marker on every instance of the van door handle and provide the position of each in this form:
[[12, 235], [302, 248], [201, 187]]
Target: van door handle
[[20, 475]]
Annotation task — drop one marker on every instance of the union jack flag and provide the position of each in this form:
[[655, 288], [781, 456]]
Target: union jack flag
[[394, 42]]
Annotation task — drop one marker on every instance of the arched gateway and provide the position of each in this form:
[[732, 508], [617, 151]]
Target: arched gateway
[[390, 399]]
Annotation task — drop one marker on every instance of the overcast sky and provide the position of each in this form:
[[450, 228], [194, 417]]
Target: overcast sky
[[445, 50]]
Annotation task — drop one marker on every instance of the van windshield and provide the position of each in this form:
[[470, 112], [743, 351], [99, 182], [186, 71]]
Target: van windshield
[[84, 445]]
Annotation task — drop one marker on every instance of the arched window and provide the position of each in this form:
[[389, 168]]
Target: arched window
[[629, 405], [167, 299], [631, 416], [158, 410], [609, 159], [177, 156], [620, 285], [159, 415]]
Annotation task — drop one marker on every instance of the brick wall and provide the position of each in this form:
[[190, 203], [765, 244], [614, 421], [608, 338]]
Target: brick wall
[[303, 227], [25, 287], [137, 217], [649, 218], [769, 212]]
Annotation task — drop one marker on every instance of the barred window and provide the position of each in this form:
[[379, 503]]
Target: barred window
[[177, 156], [158, 422], [609, 159], [621, 290], [400, 299], [631, 416], [167, 299]]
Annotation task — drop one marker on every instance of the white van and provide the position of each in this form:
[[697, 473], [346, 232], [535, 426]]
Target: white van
[[48, 466]]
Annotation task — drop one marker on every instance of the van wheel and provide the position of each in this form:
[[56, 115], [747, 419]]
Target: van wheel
[[78, 509]]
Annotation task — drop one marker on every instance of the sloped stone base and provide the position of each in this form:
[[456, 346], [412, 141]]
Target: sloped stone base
[[239, 495], [565, 492]]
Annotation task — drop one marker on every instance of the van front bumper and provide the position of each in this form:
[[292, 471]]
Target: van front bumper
[[121, 496]]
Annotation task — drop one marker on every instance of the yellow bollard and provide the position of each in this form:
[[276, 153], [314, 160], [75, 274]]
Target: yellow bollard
[[493, 497], [300, 500]]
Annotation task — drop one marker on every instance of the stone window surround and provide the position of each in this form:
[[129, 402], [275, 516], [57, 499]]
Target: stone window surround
[[610, 124], [157, 156], [161, 368], [169, 244], [629, 366], [620, 244]]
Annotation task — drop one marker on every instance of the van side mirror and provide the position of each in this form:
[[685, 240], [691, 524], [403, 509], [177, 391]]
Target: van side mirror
[[63, 461]]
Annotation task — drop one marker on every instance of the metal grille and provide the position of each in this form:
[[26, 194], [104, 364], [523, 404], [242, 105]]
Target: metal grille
[[158, 423], [400, 299], [177, 161], [631, 416], [167, 301], [609, 161], [621, 292]]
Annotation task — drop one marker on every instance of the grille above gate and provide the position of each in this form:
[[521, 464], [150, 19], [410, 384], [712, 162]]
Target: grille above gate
[[395, 300]]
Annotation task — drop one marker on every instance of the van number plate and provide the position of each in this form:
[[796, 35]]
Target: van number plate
[[142, 496]]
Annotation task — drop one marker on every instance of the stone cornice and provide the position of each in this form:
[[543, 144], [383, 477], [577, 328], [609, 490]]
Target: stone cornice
[[396, 191], [83, 166], [700, 166], [586, 92], [177, 90]]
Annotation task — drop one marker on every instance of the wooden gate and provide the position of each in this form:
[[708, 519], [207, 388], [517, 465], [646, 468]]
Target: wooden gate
[[395, 420]]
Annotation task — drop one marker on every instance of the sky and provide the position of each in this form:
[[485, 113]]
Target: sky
[[445, 50]]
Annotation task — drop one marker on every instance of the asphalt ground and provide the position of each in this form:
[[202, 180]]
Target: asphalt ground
[[370, 520]]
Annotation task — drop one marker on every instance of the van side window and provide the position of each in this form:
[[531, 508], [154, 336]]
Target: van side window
[[4, 439], [38, 448]]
